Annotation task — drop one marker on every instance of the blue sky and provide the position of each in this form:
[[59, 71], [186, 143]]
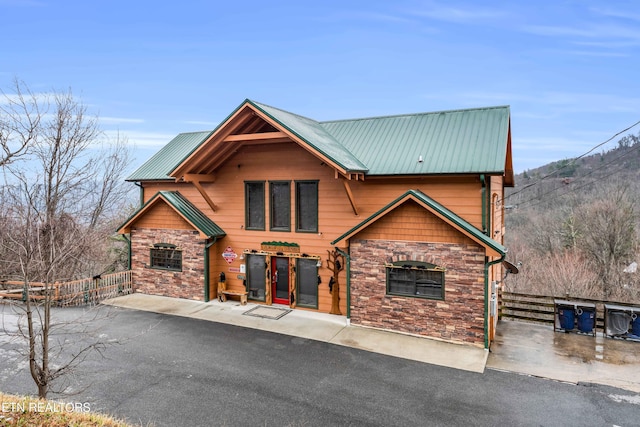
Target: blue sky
[[568, 69]]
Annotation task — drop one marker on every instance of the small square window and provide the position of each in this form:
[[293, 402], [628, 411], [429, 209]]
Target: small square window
[[415, 279], [166, 256]]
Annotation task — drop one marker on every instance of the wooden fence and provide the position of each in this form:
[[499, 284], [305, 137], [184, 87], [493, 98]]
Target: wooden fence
[[541, 309], [76, 292]]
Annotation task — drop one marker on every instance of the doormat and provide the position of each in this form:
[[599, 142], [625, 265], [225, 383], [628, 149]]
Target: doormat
[[267, 312]]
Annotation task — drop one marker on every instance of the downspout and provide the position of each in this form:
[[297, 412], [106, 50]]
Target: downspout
[[488, 264], [348, 259], [206, 267], [141, 193], [124, 236], [483, 196]]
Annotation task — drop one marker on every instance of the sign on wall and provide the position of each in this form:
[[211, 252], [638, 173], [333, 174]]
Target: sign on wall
[[229, 255]]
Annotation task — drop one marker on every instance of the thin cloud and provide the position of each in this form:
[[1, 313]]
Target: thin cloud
[[602, 54], [118, 120], [22, 3], [202, 123], [141, 139], [552, 103], [460, 15], [565, 147], [385, 17], [602, 32], [591, 102], [616, 13]]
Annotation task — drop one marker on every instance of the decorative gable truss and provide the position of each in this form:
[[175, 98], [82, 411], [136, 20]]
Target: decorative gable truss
[[253, 123]]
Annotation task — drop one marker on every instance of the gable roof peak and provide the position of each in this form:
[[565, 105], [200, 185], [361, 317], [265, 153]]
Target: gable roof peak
[[262, 105]]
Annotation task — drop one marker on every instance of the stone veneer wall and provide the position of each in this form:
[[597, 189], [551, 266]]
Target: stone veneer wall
[[188, 283], [459, 317]]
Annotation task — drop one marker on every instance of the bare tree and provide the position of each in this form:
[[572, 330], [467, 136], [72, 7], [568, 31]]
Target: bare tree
[[60, 205], [609, 235], [20, 117], [580, 245]]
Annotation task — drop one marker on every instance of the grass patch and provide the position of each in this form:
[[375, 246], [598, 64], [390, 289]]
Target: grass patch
[[33, 412]]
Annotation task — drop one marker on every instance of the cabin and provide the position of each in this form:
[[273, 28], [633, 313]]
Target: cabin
[[395, 222]]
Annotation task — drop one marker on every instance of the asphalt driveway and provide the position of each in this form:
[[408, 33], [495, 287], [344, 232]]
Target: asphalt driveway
[[176, 371]]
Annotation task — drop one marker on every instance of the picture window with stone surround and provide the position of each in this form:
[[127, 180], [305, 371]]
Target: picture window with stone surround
[[415, 279], [166, 256]]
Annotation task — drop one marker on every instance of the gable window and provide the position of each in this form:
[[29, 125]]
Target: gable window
[[415, 279], [254, 205], [280, 205], [166, 256], [307, 206]]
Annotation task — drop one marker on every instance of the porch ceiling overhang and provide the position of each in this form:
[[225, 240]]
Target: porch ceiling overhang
[[206, 228], [492, 247], [253, 123]]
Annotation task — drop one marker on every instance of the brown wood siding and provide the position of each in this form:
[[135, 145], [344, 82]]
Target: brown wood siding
[[162, 216], [411, 222], [288, 161]]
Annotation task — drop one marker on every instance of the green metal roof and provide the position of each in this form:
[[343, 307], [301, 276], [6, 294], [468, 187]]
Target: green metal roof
[[169, 157], [445, 142], [315, 135], [193, 215], [457, 141], [466, 227]]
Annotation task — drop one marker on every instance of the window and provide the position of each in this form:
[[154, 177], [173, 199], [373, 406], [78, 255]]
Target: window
[[307, 206], [166, 256], [307, 286], [254, 205], [256, 274], [416, 279], [280, 204]]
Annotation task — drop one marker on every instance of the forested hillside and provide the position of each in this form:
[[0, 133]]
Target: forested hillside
[[574, 225]]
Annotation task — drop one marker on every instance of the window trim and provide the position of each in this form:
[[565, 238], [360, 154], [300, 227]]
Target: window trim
[[273, 204], [415, 266], [298, 199], [247, 206], [164, 247]]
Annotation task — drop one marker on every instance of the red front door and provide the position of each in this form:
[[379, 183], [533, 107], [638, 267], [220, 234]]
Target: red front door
[[280, 280]]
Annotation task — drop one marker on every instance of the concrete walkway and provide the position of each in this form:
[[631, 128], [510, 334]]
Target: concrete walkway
[[537, 350], [528, 349], [315, 326]]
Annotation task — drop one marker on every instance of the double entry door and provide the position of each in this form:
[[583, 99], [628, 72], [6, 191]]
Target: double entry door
[[275, 273]]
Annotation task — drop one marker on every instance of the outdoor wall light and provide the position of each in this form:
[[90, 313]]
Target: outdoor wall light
[[319, 264]]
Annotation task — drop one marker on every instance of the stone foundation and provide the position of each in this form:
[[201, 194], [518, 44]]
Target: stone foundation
[[458, 318], [188, 283]]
